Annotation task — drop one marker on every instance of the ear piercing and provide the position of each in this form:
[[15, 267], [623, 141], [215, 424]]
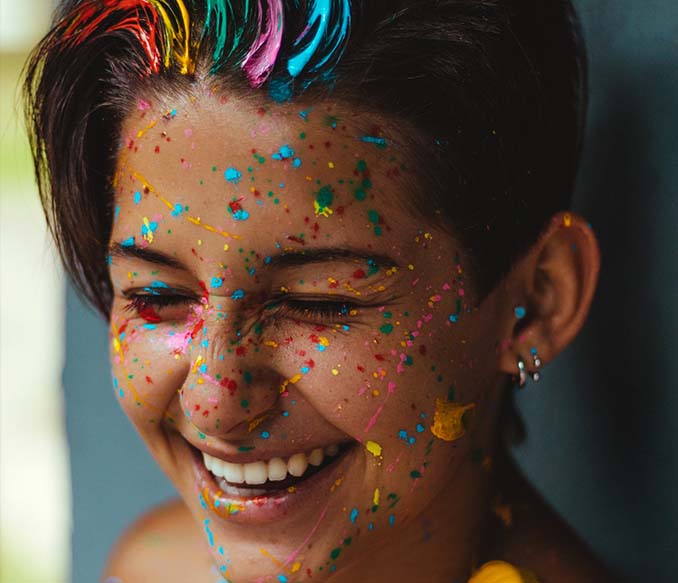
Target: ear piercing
[[523, 373]]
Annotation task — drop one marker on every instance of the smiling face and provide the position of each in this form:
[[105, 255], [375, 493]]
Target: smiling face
[[282, 320]]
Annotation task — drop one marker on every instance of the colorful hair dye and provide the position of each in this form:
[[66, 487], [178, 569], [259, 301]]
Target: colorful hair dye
[[163, 29], [260, 59]]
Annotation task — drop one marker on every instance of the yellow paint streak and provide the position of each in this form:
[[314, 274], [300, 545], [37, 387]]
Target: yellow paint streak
[[149, 234], [198, 361], [254, 423], [296, 378], [194, 220], [268, 555], [150, 126], [447, 419], [375, 498], [374, 448]]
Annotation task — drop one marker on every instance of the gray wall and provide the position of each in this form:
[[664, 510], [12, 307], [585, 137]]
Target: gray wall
[[602, 423]]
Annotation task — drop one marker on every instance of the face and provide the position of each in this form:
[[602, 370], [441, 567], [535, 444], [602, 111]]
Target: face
[[298, 350]]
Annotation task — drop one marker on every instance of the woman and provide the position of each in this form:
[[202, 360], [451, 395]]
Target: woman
[[329, 239]]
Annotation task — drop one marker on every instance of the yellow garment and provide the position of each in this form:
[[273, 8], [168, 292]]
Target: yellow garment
[[501, 572]]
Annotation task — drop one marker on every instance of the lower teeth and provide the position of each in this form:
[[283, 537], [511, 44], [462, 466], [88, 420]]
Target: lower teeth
[[241, 492]]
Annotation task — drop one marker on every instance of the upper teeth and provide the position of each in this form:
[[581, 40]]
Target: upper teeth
[[275, 469]]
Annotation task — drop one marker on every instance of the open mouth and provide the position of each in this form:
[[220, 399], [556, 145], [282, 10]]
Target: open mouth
[[271, 476]]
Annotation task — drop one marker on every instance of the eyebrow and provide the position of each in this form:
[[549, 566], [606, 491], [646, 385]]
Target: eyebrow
[[147, 255], [279, 261]]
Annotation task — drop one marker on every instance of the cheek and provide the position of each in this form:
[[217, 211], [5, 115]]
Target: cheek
[[146, 375]]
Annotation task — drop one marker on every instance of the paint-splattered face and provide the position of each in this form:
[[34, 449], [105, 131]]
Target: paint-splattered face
[[282, 320]]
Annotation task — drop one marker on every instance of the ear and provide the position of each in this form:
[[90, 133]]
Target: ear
[[547, 295]]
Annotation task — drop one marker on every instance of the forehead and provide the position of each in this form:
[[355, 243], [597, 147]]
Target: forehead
[[216, 170]]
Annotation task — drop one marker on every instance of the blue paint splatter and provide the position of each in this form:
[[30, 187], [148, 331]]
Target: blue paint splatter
[[238, 294], [354, 515], [520, 312], [241, 215], [284, 153], [128, 242], [380, 142], [152, 227], [178, 209], [210, 536], [216, 282], [137, 197], [296, 162], [265, 434], [233, 175]]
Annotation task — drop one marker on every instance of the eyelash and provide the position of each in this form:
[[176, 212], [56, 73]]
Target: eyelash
[[317, 311]]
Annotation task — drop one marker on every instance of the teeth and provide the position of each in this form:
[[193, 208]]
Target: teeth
[[277, 469], [233, 473], [297, 464], [316, 457], [255, 473]]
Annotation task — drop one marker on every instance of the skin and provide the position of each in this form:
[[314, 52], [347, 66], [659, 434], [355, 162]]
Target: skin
[[307, 378]]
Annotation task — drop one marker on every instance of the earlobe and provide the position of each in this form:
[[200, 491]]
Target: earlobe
[[550, 294]]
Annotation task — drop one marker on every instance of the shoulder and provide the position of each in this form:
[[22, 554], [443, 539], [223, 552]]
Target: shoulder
[[163, 544], [540, 541]]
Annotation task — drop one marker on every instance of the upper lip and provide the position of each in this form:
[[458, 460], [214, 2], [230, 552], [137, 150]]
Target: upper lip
[[255, 455]]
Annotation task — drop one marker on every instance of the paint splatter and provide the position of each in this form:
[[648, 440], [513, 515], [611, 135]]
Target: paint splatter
[[233, 175], [374, 448], [447, 419], [323, 200]]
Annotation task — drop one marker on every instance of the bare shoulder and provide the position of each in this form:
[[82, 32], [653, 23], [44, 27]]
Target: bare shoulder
[[163, 544], [539, 540]]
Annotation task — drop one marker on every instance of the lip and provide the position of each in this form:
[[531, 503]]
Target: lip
[[309, 494]]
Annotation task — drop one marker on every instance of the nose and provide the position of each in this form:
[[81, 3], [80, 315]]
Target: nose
[[230, 385]]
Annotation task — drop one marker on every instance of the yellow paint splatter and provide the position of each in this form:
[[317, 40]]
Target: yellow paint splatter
[[149, 233], [447, 419], [375, 498], [567, 220], [374, 448]]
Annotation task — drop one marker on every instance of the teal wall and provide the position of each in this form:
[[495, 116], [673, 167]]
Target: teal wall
[[602, 423]]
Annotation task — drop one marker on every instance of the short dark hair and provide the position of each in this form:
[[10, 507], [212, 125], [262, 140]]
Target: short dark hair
[[496, 90]]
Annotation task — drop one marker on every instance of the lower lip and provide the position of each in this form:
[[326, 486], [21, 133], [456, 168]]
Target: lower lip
[[306, 496]]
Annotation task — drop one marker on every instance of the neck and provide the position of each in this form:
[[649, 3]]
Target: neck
[[441, 544]]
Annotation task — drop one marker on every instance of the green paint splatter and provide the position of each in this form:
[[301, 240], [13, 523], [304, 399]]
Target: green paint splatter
[[335, 553], [386, 329], [323, 201]]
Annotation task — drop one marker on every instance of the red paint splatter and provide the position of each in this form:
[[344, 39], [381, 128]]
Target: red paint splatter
[[295, 239], [235, 205], [229, 384], [359, 274], [197, 328], [150, 315]]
